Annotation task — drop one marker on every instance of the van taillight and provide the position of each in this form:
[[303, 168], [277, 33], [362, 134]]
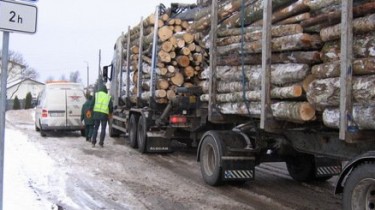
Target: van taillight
[[44, 113], [177, 119]]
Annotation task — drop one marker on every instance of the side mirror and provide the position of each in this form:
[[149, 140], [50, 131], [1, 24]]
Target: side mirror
[[105, 73]]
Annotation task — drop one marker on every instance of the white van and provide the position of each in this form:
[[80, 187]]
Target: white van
[[59, 108]]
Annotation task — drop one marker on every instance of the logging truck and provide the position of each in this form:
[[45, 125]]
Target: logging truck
[[256, 81]]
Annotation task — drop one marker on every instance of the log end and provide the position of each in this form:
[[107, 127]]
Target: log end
[[307, 112]]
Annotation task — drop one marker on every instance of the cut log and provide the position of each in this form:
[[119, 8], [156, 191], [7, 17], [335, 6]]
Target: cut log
[[363, 117], [171, 69], [171, 94], [164, 56], [161, 71], [162, 84], [177, 79], [256, 35], [288, 111], [185, 51], [363, 46], [180, 43], [167, 46], [289, 92], [332, 69], [334, 17], [177, 29], [280, 74], [295, 19], [158, 94], [254, 12], [183, 60], [189, 72], [360, 25], [326, 92], [164, 33], [286, 43]]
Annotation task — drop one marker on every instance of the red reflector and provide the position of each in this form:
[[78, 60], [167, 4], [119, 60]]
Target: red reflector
[[44, 113], [176, 119]]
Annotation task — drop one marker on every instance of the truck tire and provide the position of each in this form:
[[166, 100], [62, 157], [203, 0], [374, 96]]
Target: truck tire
[[112, 132], [359, 189], [133, 124], [210, 161], [142, 134], [301, 168]]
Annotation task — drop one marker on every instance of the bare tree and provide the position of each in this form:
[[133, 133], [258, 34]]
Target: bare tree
[[75, 77]]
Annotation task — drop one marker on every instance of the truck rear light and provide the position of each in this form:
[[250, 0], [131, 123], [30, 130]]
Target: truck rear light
[[44, 113], [177, 119]]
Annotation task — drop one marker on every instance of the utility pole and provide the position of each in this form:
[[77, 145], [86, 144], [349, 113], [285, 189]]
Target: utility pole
[[88, 74]]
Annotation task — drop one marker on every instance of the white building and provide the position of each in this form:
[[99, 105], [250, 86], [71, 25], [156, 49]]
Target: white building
[[20, 88]]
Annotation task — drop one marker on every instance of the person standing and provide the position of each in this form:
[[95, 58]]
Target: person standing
[[102, 109], [86, 117]]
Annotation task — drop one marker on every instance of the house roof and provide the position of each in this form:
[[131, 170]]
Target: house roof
[[19, 81]]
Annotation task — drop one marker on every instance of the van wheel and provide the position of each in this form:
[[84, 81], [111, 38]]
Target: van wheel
[[42, 132], [142, 134], [83, 132], [36, 128], [133, 123]]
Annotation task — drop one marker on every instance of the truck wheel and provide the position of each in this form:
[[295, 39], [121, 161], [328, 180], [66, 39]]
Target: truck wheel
[[142, 134], [112, 132], [209, 161], [359, 190], [133, 124], [301, 168]]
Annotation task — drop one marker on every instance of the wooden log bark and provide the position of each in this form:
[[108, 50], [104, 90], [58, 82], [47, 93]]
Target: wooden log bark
[[280, 73], [295, 19], [363, 46], [332, 18], [363, 116], [288, 111], [290, 92], [360, 25], [286, 43], [253, 13], [294, 9], [360, 66], [326, 92], [256, 35], [307, 57]]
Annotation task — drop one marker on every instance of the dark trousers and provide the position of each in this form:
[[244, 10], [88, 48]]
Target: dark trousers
[[89, 130], [103, 124]]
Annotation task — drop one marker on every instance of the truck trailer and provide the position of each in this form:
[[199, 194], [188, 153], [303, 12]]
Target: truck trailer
[[249, 82]]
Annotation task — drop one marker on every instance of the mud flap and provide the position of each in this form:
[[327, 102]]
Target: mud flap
[[158, 145], [327, 167], [238, 168]]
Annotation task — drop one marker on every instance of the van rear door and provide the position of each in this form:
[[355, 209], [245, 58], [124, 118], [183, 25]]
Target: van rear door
[[74, 100], [55, 103]]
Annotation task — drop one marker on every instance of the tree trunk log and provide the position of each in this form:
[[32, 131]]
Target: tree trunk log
[[363, 46], [256, 35], [280, 73], [289, 92], [360, 25], [307, 57], [326, 92], [363, 116], [288, 111], [164, 33], [295, 19], [286, 43], [177, 79], [360, 66]]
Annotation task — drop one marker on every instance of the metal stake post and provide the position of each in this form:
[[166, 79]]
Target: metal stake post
[[3, 97]]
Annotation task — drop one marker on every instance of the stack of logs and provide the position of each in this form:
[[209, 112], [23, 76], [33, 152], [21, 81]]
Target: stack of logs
[[179, 58], [305, 59]]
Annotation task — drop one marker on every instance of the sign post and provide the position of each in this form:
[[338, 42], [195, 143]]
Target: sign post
[[14, 17]]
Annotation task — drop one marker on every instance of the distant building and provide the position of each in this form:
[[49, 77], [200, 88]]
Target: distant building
[[20, 88]]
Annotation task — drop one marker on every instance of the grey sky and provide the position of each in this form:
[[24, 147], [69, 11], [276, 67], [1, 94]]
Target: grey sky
[[71, 32]]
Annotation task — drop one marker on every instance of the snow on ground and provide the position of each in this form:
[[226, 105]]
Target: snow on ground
[[21, 157]]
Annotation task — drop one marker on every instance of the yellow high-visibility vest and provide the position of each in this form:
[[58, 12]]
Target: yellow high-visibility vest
[[101, 102]]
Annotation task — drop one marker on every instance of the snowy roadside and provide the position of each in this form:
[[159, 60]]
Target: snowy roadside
[[21, 156]]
